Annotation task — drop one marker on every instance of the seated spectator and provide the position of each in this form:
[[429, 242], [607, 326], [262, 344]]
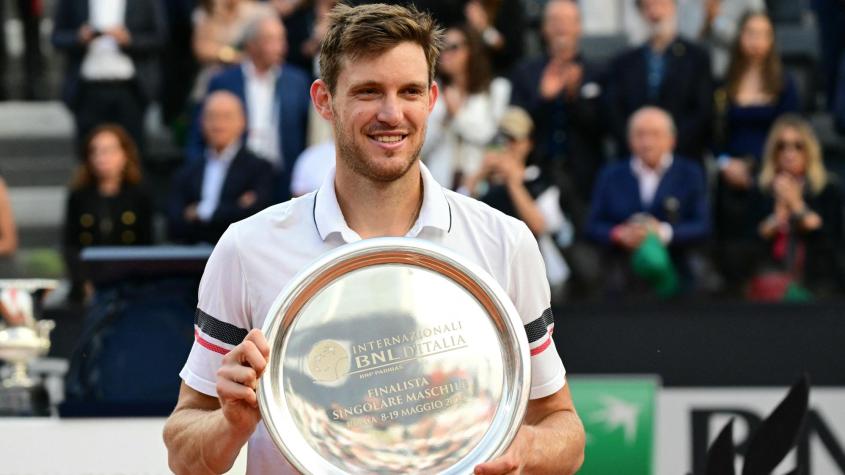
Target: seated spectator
[[112, 62], [275, 96], [507, 182], [108, 204], [312, 167], [800, 210], [756, 92], [655, 197], [219, 29], [466, 114], [561, 91], [228, 185], [669, 72]]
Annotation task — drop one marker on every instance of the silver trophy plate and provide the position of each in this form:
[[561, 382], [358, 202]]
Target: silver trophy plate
[[393, 355]]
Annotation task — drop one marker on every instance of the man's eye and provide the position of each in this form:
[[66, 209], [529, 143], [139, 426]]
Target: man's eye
[[413, 91]]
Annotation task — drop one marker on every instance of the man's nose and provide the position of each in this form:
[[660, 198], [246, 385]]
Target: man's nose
[[390, 111]]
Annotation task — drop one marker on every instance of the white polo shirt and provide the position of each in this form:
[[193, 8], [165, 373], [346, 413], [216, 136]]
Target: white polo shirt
[[256, 258]]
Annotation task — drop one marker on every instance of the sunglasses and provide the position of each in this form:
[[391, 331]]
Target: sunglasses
[[782, 145], [453, 46]]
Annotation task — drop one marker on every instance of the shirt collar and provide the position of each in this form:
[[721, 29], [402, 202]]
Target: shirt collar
[[227, 155], [639, 168], [435, 211], [251, 73]]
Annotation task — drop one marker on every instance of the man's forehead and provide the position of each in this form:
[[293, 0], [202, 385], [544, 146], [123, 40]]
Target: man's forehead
[[404, 63]]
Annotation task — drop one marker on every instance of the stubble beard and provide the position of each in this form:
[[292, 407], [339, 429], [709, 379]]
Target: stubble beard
[[351, 154]]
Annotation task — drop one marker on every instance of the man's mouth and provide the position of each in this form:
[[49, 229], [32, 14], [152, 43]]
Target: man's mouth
[[388, 138]]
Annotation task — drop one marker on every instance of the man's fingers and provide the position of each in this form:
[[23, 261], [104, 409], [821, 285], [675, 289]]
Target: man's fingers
[[240, 374], [251, 356], [257, 338], [499, 466], [230, 391]]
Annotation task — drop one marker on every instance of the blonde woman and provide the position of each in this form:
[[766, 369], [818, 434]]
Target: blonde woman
[[801, 204]]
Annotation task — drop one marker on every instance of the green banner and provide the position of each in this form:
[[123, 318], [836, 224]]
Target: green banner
[[618, 416]]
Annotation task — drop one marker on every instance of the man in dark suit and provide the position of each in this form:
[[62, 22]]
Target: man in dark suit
[[112, 51], [667, 71], [562, 93], [655, 192], [227, 185], [276, 98]]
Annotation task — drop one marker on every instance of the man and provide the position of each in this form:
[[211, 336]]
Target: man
[[561, 91], [29, 13], [655, 192], [228, 185], [667, 71], [275, 96], [112, 51], [377, 89]]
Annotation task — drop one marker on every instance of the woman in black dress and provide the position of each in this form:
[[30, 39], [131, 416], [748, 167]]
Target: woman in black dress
[[107, 204]]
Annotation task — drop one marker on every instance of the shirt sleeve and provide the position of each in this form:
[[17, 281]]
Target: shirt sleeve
[[529, 290], [222, 317]]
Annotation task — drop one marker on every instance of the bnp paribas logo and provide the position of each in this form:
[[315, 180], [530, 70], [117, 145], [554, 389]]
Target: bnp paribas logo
[[328, 361]]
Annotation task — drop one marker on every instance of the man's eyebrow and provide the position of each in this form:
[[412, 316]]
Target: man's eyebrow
[[358, 85]]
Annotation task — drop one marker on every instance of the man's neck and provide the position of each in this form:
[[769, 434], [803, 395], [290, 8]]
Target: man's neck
[[374, 209], [261, 69], [660, 41]]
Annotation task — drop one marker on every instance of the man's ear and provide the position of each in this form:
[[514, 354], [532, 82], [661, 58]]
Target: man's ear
[[321, 97], [433, 92]]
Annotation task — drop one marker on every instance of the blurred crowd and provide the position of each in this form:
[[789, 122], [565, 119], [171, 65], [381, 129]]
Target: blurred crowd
[[678, 163]]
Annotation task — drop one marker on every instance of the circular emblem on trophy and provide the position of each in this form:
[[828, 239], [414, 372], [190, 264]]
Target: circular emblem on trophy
[[328, 361]]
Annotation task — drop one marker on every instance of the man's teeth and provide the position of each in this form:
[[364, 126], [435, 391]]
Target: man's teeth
[[388, 138]]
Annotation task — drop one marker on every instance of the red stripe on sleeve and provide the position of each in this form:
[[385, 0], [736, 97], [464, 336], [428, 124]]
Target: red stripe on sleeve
[[536, 351], [209, 345]]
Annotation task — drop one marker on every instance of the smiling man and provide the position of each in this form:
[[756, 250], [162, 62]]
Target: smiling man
[[377, 90]]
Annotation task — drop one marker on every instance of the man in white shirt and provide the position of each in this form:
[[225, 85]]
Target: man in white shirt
[[112, 61], [377, 89]]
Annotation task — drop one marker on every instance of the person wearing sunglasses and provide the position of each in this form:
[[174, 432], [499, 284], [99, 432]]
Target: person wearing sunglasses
[[800, 208], [467, 113]]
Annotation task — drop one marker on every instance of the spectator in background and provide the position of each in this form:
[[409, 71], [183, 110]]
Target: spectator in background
[[467, 111], [306, 27], [312, 167], [655, 193], [561, 91], [219, 30], [30, 13], [229, 184], [108, 204], [669, 72], [508, 182], [756, 92], [275, 96], [801, 208], [112, 69], [501, 26]]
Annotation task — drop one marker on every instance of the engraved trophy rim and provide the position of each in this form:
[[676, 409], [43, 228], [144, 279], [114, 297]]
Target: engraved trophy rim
[[405, 251]]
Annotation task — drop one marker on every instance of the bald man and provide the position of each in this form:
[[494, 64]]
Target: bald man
[[229, 183], [654, 191]]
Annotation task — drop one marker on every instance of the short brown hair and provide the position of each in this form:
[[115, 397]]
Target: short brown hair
[[85, 176], [367, 30]]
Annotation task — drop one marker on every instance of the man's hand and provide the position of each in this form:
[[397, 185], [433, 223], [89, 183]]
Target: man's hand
[[512, 461], [86, 34], [120, 34], [629, 235], [737, 174], [237, 380], [247, 199]]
